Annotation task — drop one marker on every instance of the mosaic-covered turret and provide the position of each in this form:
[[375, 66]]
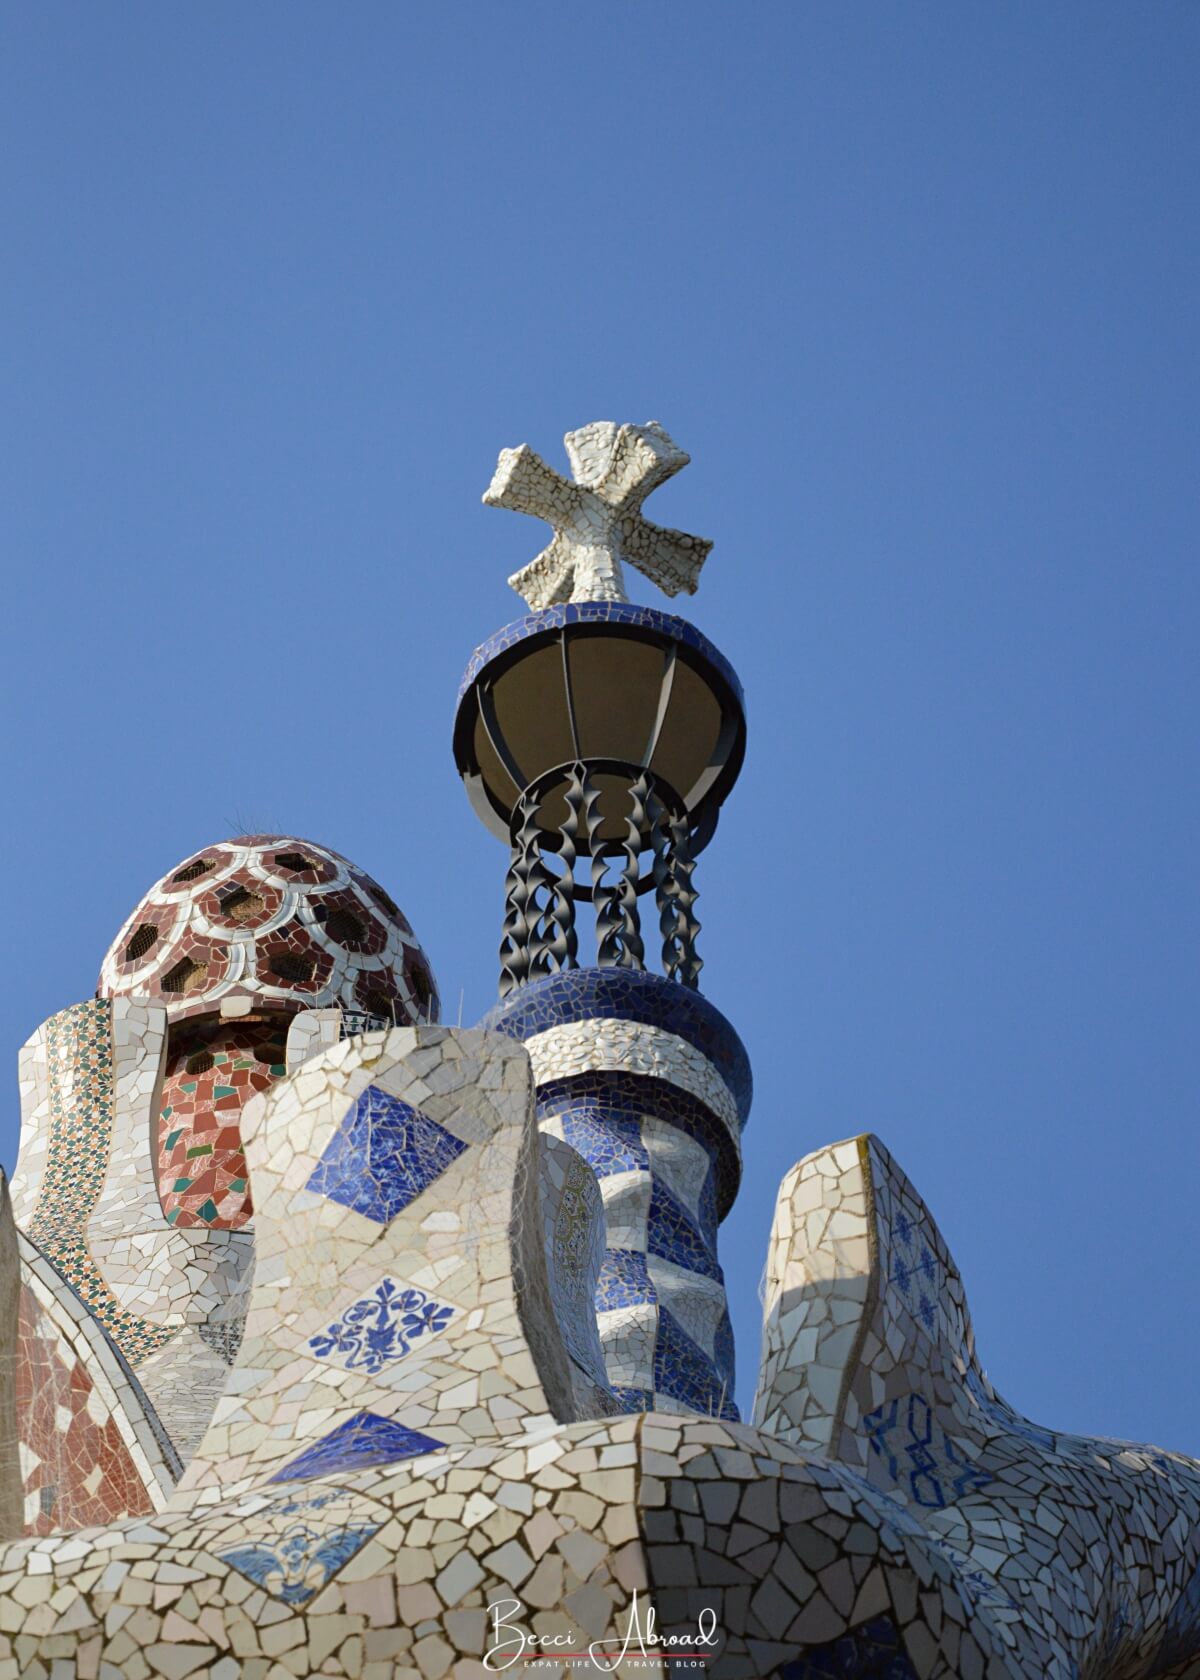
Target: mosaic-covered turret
[[599, 738], [132, 1189]]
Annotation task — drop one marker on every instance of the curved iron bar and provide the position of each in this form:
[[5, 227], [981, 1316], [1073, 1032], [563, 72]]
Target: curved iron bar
[[605, 893], [557, 939], [633, 954], [681, 963], [540, 934]]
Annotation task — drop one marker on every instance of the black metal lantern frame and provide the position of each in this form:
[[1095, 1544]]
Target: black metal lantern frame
[[601, 740]]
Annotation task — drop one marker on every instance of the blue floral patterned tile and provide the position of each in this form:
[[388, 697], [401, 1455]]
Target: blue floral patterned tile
[[362, 1441], [382, 1156], [297, 1544], [380, 1328], [915, 1271], [917, 1452]]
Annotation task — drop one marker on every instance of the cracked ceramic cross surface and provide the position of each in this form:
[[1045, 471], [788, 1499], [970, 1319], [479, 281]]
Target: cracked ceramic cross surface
[[597, 520]]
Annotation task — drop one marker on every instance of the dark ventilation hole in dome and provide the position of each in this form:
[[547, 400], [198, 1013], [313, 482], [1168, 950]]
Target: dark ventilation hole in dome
[[241, 904], [381, 898], [295, 861], [186, 976], [199, 1063], [291, 966], [381, 1003], [345, 927], [272, 1053], [193, 871], [141, 942], [422, 991]]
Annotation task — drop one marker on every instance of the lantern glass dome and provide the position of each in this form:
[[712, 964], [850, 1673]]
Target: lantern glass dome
[[612, 686]]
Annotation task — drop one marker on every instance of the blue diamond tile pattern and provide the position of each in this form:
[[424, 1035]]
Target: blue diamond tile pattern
[[609, 1140], [380, 1328], [672, 1234], [624, 1124], [362, 1441], [382, 1156], [684, 1372], [919, 1454], [871, 1651], [624, 1280], [612, 1107], [303, 1554]]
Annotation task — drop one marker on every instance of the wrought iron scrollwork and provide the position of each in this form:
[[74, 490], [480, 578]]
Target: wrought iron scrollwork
[[530, 933], [677, 917], [540, 934], [618, 925]]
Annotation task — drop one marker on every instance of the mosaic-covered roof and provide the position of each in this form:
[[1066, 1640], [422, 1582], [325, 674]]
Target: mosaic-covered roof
[[282, 922]]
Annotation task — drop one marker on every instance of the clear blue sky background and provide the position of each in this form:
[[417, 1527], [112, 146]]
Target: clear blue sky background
[[917, 286]]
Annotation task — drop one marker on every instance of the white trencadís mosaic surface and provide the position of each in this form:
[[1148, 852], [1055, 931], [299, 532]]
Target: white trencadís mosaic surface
[[322, 1528], [632, 1047]]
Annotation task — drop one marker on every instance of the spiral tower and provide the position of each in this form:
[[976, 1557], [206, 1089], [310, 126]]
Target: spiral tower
[[599, 739]]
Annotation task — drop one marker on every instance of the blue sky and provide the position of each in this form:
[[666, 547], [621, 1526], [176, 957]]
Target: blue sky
[[917, 286]]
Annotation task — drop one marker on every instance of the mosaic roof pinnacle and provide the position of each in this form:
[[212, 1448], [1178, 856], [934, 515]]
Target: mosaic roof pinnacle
[[597, 517]]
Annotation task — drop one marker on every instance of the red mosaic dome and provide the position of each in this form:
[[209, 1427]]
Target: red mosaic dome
[[283, 922]]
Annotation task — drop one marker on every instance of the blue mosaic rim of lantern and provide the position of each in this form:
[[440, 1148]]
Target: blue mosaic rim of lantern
[[627, 994], [598, 612]]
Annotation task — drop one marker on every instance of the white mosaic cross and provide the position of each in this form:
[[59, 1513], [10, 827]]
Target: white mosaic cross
[[598, 519]]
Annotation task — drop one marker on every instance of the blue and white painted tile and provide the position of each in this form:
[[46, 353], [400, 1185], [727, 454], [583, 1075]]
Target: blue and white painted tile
[[379, 1328], [914, 1454]]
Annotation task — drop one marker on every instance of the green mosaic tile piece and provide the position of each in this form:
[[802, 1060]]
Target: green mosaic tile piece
[[80, 1091]]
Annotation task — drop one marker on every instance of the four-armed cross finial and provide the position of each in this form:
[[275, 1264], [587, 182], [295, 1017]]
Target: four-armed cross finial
[[598, 519]]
